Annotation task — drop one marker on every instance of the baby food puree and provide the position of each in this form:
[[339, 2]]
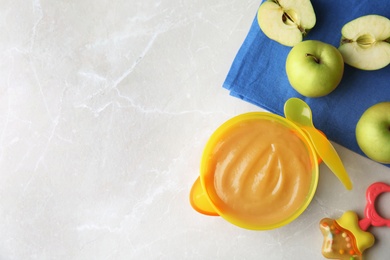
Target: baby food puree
[[259, 171]]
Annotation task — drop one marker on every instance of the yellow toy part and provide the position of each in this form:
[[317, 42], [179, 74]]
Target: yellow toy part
[[346, 238], [339, 243], [350, 221]]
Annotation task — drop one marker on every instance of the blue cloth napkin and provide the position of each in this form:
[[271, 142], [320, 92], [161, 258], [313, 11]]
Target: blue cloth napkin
[[258, 74]]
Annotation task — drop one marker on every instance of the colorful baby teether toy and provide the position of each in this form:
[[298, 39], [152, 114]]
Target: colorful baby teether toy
[[346, 238]]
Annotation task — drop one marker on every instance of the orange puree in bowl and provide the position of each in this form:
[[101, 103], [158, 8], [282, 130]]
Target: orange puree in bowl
[[259, 172]]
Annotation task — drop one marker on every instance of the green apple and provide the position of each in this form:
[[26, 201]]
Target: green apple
[[373, 132], [314, 68], [365, 42], [286, 21]]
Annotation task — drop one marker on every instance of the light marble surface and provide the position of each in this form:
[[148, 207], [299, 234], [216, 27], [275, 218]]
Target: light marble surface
[[105, 107]]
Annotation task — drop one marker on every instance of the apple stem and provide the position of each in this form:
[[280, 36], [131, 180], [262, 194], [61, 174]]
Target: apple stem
[[314, 57]]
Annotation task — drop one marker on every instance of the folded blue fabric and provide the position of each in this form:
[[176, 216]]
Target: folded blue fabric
[[258, 74]]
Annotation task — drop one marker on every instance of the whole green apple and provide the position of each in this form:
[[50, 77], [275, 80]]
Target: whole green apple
[[314, 68], [373, 132]]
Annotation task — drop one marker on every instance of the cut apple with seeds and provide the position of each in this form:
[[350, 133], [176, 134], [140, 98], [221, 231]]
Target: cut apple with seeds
[[286, 21], [365, 42]]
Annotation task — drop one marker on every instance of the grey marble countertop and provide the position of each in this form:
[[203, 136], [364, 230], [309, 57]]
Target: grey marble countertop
[[105, 108]]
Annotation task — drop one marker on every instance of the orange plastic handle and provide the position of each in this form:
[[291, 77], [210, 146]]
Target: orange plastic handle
[[199, 200]]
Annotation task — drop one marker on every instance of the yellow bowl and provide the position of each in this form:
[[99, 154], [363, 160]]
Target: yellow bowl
[[259, 171]]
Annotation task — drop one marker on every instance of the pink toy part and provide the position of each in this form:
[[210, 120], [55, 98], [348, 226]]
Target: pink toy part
[[372, 218]]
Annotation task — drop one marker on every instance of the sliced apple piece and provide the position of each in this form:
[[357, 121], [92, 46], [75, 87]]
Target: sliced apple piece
[[365, 42], [286, 21]]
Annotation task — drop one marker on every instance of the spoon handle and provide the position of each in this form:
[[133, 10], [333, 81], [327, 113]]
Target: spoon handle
[[329, 155]]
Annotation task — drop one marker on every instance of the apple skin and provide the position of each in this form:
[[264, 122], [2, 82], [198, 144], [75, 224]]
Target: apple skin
[[373, 132], [314, 68]]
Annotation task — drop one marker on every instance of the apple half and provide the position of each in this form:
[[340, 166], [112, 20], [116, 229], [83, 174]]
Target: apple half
[[286, 21], [365, 42]]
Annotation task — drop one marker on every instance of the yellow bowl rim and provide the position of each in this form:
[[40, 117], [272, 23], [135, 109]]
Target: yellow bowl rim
[[250, 116]]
